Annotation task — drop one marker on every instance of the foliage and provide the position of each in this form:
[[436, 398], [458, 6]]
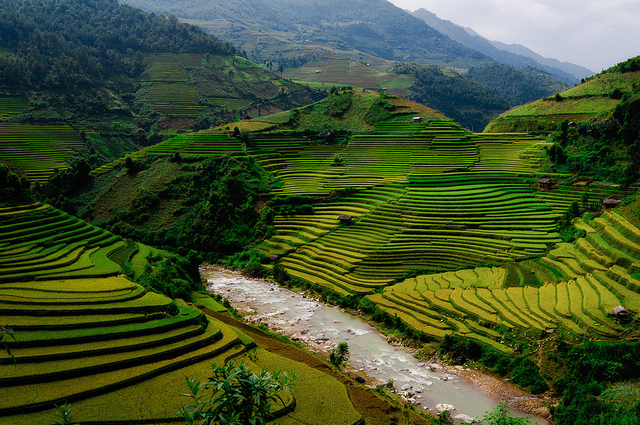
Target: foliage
[[604, 151], [380, 110], [338, 103], [250, 262], [218, 214], [13, 188], [61, 187], [340, 354], [176, 277], [630, 65], [64, 415], [594, 366], [517, 86], [280, 274], [75, 41], [521, 370], [458, 98], [500, 416], [234, 395]]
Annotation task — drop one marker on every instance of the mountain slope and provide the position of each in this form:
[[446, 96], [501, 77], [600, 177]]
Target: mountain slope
[[105, 79], [514, 55], [376, 27]]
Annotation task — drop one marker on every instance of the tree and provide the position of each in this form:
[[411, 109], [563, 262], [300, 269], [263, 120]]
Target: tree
[[234, 396], [500, 416], [339, 355]]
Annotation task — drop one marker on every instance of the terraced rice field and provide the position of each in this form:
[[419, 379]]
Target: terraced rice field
[[39, 150], [579, 284], [11, 107], [167, 85], [86, 335], [430, 196]]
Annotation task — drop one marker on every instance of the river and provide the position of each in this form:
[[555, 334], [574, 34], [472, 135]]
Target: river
[[322, 327]]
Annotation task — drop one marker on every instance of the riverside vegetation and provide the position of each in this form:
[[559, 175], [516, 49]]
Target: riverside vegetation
[[441, 234]]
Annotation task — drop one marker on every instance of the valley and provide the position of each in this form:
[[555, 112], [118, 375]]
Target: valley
[[484, 215]]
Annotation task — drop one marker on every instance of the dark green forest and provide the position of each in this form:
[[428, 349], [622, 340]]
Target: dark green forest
[[516, 86], [68, 43], [463, 100]]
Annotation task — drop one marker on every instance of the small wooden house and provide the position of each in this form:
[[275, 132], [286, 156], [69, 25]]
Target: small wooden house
[[545, 183], [417, 119], [620, 312], [247, 117], [345, 219], [274, 258], [611, 202]]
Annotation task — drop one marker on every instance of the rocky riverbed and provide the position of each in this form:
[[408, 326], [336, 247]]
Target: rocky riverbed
[[321, 328]]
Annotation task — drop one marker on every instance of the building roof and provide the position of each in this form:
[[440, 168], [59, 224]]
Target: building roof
[[620, 311], [611, 200]]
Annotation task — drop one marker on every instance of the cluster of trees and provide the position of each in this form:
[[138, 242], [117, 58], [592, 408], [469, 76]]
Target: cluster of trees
[[470, 104], [603, 150], [595, 368], [13, 188], [219, 215], [516, 86], [64, 43]]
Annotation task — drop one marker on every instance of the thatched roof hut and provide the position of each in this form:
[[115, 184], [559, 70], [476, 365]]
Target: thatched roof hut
[[274, 258], [545, 183], [621, 312], [345, 219], [611, 202]]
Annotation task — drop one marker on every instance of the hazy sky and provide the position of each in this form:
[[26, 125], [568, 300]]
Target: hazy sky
[[596, 34]]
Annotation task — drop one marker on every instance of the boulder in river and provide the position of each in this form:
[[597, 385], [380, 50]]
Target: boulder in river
[[444, 406], [465, 418]]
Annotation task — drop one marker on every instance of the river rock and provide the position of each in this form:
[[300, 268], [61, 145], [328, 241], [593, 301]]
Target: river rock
[[465, 418], [406, 387], [443, 406], [435, 367]]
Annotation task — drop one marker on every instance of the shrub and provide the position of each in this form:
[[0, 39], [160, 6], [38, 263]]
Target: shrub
[[234, 395], [339, 355]]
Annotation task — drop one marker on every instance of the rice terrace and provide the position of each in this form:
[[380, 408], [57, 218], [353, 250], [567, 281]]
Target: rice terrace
[[299, 147]]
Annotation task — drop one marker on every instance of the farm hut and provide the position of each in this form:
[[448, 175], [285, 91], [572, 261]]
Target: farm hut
[[545, 183], [345, 219], [611, 202], [247, 117], [417, 119], [620, 312], [274, 258]]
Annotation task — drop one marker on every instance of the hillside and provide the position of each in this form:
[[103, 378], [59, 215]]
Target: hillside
[[352, 44], [66, 84], [596, 98], [374, 27], [515, 56]]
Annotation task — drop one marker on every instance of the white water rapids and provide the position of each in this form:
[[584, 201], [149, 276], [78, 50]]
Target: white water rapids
[[324, 327]]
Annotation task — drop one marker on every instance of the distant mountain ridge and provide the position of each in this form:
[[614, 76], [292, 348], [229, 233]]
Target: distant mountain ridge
[[376, 27], [515, 55]]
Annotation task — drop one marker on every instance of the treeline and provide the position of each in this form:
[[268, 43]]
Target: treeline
[[65, 43], [516, 86], [470, 104], [603, 150]]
